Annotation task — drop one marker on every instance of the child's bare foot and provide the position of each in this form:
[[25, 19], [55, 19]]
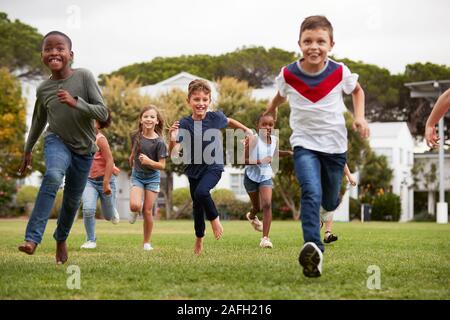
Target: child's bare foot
[[28, 247], [217, 228], [198, 246], [61, 252]]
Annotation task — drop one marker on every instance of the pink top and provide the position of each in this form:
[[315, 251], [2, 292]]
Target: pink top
[[99, 162]]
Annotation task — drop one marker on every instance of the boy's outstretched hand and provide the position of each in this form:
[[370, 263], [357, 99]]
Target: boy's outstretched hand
[[65, 97], [361, 125], [173, 130], [431, 137], [26, 163]]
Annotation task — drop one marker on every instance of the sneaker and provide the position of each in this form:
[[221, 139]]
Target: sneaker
[[133, 216], [265, 243], [256, 224], [311, 260], [116, 218], [329, 237], [148, 247], [89, 245]]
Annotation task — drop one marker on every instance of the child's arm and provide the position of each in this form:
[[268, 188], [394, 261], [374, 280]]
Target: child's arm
[[274, 104], [38, 123], [103, 145], [237, 125], [360, 123], [173, 133], [440, 108], [349, 176], [157, 165], [285, 153], [94, 107]]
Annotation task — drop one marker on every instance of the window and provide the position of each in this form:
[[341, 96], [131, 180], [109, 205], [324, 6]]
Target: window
[[237, 183], [401, 156], [387, 152]]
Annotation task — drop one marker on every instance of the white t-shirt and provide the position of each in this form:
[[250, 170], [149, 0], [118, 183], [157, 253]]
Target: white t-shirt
[[317, 106], [261, 172]]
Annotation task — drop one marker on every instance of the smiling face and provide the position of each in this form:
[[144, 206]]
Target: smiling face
[[265, 126], [56, 54], [315, 45], [199, 101], [149, 120]]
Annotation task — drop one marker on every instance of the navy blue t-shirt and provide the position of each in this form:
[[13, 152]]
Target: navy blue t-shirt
[[201, 140]]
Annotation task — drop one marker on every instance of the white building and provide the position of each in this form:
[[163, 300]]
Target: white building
[[394, 140], [426, 161]]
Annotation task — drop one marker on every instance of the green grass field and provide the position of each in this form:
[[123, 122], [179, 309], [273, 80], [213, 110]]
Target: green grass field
[[414, 262]]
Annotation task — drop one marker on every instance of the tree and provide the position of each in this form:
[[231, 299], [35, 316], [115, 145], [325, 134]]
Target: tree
[[12, 131], [12, 123], [20, 48], [376, 176], [256, 65], [125, 102]]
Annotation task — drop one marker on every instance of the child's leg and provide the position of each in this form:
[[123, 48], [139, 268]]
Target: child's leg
[[89, 199], [136, 195], [266, 204], [57, 160], [203, 196], [198, 212], [332, 172], [254, 198], [307, 170], [76, 178], [108, 201], [328, 225], [149, 200]]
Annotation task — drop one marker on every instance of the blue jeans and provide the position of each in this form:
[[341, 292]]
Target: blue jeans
[[60, 161], [203, 203], [320, 176], [93, 191]]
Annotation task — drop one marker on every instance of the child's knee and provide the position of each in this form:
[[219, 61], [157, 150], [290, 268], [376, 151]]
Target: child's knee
[[135, 207], [266, 205], [88, 213]]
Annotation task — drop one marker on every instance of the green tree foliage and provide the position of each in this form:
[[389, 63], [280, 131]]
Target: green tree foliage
[[125, 102], [12, 124], [256, 65], [376, 177], [20, 47], [416, 111]]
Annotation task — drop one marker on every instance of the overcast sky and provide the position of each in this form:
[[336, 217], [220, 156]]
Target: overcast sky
[[111, 34]]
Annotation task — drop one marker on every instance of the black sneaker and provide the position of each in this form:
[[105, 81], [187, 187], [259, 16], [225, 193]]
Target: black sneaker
[[311, 260], [329, 237]]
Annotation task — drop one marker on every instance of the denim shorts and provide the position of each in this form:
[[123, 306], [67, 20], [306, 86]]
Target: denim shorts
[[146, 180], [252, 186]]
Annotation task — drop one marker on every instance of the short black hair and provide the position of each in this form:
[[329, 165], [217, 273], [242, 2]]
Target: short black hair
[[262, 115], [58, 33]]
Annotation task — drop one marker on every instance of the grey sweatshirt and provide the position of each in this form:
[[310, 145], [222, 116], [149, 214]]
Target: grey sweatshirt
[[75, 126]]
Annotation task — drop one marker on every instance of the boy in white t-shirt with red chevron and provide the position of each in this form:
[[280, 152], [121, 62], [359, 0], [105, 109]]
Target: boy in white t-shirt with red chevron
[[314, 85]]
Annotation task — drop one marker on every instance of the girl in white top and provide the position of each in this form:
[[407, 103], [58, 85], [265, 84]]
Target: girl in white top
[[260, 149]]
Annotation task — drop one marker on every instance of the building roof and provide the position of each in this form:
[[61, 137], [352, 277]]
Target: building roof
[[180, 80], [387, 129]]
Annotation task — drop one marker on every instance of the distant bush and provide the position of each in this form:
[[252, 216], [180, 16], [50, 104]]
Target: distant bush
[[25, 198], [182, 203], [386, 207]]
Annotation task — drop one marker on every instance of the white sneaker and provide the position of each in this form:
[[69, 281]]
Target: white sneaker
[[116, 218], [265, 243], [89, 245], [256, 224], [311, 260], [148, 247], [133, 216]]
